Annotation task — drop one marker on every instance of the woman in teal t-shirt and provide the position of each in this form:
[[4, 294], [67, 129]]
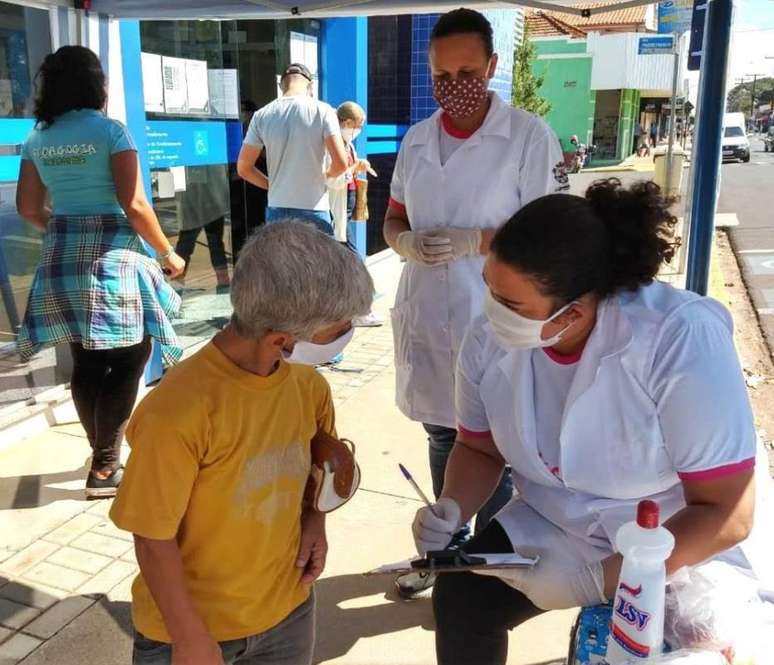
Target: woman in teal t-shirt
[[96, 286]]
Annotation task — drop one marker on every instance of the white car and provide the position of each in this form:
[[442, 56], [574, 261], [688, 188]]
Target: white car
[[736, 145]]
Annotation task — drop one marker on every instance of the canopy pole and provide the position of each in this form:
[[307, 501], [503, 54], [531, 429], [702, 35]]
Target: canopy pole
[[706, 158]]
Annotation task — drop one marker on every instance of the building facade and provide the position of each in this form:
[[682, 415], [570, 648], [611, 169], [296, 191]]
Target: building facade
[[600, 86], [186, 89]]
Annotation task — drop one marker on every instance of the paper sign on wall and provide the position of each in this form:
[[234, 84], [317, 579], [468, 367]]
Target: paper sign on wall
[[152, 83], [224, 92], [175, 87], [198, 86]]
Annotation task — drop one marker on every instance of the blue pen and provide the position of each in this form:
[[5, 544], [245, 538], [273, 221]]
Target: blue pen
[[417, 489]]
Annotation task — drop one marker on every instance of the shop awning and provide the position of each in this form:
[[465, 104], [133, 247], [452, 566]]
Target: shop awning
[[278, 9]]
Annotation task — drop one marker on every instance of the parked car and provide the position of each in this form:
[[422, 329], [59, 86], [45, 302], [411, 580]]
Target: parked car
[[768, 140]]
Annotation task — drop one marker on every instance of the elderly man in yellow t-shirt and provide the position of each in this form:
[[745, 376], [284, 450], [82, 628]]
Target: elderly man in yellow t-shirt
[[214, 486]]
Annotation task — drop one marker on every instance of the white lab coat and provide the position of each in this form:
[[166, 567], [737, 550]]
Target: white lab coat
[[658, 395], [511, 160]]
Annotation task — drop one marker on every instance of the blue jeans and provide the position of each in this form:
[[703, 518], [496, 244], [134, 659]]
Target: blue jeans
[[291, 642], [320, 218], [441, 440]]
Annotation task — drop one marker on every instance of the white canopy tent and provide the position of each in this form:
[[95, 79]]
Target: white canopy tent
[[271, 9], [704, 181]]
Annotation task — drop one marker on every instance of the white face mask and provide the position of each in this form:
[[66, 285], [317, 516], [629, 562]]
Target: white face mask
[[309, 353], [349, 134], [516, 331]]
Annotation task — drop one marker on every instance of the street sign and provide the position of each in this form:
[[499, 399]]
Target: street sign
[[674, 16], [697, 35], [656, 45]]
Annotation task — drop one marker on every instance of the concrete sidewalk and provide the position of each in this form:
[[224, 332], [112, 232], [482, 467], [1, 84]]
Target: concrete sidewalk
[[65, 571]]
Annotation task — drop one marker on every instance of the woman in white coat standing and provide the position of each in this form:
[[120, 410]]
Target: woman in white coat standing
[[459, 176], [600, 387]]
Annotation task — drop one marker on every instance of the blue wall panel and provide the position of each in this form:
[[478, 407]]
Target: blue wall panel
[[344, 75]]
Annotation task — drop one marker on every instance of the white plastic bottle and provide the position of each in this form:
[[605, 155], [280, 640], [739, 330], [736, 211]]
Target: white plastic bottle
[[637, 630]]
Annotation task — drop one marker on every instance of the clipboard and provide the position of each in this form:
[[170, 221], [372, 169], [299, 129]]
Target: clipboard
[[455, 561]]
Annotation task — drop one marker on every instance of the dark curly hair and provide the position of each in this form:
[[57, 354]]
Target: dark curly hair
[[613, 239], [68, 80], [464, 21]]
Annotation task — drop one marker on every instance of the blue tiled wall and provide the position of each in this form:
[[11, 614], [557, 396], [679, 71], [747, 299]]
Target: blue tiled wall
[[422, 103]]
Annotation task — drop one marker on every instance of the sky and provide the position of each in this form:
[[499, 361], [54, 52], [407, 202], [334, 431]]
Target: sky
[[753, 39]]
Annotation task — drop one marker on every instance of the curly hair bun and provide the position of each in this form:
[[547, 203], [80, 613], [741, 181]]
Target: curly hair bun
[[640, 227], [612, 239]]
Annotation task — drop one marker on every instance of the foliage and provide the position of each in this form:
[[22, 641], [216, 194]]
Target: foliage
[[740, 96], [526, 85]]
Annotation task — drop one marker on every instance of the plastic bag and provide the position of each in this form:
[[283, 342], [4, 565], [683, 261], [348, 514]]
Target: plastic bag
[[689, 657], [716, 607]]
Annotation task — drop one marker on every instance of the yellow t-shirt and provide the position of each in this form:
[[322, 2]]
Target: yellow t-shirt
[[220, 459]]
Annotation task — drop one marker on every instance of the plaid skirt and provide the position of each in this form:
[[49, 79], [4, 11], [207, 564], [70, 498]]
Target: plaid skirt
[[97, 286]]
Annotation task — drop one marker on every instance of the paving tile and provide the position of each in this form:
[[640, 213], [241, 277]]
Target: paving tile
[[109, 578], [32, 594], [107, 528], [5, 633], [57, 576], [28, 557], [18, 647], [73, 528], [93, 542], [101, 507], [130, 556], [86, 562], [52, 621], [15, 615]]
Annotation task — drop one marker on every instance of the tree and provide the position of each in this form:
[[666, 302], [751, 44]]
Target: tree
[[526, 85], [740, 96]]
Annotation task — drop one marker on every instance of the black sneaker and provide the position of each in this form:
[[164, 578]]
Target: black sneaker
[[98, 488], [413, 585]]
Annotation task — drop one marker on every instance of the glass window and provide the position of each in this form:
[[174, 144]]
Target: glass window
[[24, 41], [731, 132], [191, 96]]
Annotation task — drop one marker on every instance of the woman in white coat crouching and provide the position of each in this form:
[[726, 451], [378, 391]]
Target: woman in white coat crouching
[[600, 387]]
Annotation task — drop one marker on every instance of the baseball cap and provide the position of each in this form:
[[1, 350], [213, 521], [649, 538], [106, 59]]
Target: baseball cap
[[297, 69]]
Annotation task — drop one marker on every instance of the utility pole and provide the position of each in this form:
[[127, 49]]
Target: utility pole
[[673, 116], [755, 78]]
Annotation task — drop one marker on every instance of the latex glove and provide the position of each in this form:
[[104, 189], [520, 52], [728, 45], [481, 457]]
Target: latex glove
[[553, 588], [464, 242], [435, 531], [424, 249]]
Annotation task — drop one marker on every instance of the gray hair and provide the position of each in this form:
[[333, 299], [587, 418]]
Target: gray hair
[[293, 278]]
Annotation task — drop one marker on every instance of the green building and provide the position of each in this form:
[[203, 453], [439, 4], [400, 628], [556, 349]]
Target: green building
[[598, 85]]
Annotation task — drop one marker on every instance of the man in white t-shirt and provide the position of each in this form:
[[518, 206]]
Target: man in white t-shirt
[[295, 130]]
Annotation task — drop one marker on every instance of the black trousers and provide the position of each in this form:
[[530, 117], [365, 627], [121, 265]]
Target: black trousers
[[186, 243], [473, 613], [104, 387]]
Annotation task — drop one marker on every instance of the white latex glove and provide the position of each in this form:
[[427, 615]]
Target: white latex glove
[[553, 588], [423, 248], [464, 242], [435, 531]]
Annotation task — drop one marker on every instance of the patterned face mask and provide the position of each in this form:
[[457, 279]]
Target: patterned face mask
[[461, 98]]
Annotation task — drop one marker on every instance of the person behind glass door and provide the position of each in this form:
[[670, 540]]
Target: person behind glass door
[[96, 287], [204, 205], [459, 175], [342, 191], [295, 131]]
